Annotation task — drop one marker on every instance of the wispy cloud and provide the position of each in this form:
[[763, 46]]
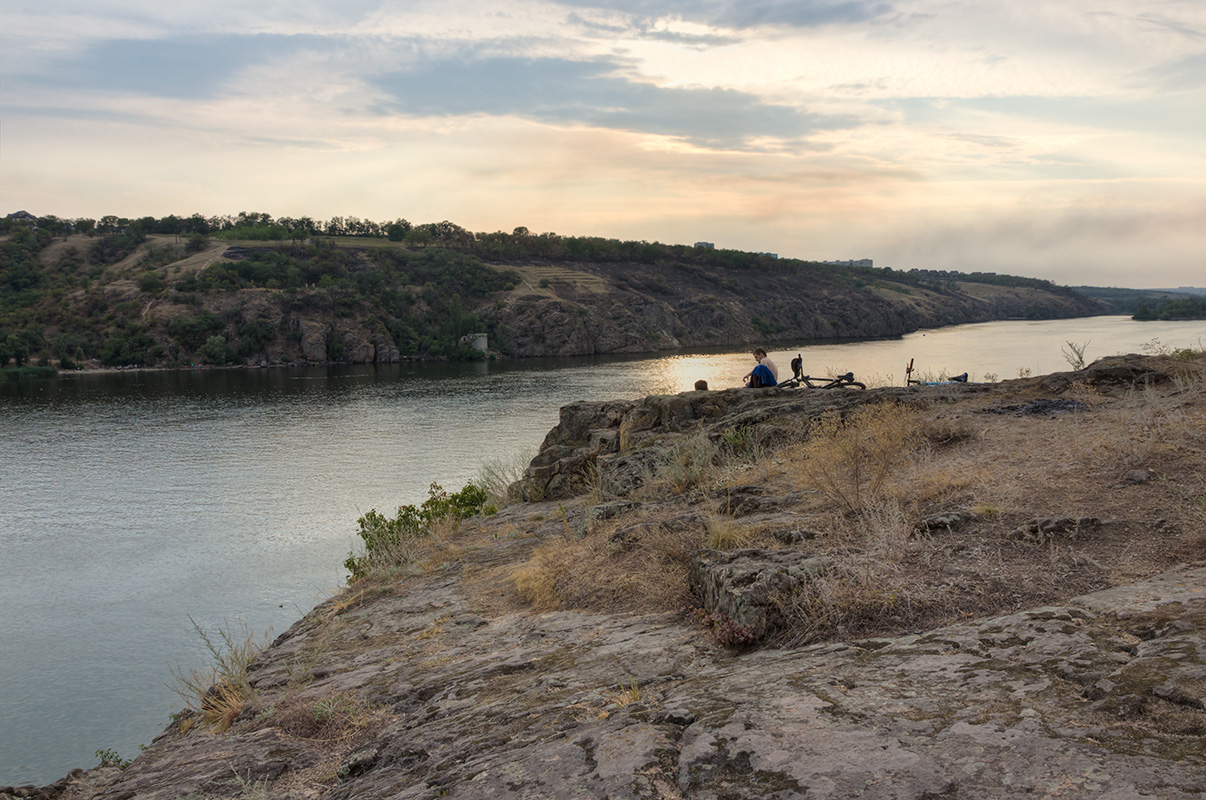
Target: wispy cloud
[[186, 67], [565, 92], [748, 14]]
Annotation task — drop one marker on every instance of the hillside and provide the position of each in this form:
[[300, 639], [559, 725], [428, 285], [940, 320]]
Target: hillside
[[963, 591], [122, 299]]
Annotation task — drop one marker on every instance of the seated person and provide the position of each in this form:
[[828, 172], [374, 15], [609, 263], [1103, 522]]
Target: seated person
[[765, 374]]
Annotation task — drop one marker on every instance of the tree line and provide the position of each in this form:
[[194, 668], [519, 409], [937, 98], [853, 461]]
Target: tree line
[[1171, 308]]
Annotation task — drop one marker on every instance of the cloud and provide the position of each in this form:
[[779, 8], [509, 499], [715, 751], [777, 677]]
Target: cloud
[[1180, 75], [643, 29], [748, 14], [1144, 114], [185, 68], [567, 92]]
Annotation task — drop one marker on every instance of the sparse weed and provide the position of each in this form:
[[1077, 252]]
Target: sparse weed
[[497, 475], [220, 693], [848, 460], [628, 694], [326, 719], [741, 442], [250, 789], [987, 511], [688, 463], [110, 756]]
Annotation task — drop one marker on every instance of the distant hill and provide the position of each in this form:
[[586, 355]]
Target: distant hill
[[1126, 301], [259, 292]]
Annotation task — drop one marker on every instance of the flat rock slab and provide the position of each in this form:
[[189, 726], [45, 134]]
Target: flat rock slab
[[1098, 698]]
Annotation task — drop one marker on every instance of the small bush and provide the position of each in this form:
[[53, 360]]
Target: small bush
[[397, 541]]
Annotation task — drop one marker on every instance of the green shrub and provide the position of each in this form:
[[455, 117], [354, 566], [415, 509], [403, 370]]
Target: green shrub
[[397, 541]]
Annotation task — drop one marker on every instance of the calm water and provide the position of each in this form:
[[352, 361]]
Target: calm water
[[132, 501]]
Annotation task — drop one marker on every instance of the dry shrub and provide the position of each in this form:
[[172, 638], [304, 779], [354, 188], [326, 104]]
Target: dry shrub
[[221, 692], [843, 602], [886, 529], [849, 459], [593, 572], [328, 718], [725, 533], [498, 475]]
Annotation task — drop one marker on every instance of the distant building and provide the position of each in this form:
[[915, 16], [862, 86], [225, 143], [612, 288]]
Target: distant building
[[769, 255], [22, 216], [706, 245], [861, 262]]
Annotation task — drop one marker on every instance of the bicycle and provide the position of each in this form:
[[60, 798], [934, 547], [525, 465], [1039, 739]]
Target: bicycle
[[911, 381], [800, 379]]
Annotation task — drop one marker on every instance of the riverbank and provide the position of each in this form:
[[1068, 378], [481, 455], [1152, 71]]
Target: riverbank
[[340, 303], [560, 619]]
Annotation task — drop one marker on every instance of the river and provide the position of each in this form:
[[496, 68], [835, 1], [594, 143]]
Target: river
[[134, 501]]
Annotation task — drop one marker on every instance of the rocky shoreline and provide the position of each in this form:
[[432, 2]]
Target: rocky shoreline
[[445, 683]]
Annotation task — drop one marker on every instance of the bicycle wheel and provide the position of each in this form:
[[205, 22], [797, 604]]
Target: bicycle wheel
[[856, 385]]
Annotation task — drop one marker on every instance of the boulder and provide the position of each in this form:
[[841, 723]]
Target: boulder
[[748, 587]]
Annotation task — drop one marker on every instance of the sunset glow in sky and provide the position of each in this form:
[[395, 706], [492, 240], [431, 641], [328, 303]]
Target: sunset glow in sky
[[1061, 139]]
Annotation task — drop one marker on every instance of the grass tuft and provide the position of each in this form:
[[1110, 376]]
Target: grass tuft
[[221, 692]]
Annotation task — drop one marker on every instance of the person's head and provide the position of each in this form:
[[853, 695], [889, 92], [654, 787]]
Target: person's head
[[759, 354], [701, 386]]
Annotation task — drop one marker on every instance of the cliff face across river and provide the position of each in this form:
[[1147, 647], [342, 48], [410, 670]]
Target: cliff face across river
[[959, 591]]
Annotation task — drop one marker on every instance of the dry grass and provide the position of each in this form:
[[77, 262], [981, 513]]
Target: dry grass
[[849, 459], [725, 533], [631, 563], [221, 692], [863, 484], [627, 695]]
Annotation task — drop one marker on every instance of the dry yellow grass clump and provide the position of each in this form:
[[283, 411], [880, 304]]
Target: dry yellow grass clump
[[933, 509]]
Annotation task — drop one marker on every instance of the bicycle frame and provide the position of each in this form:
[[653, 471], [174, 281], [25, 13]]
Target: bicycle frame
[[798, 378]]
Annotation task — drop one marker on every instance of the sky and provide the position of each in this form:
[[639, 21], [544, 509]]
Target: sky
[[1061, 139]]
